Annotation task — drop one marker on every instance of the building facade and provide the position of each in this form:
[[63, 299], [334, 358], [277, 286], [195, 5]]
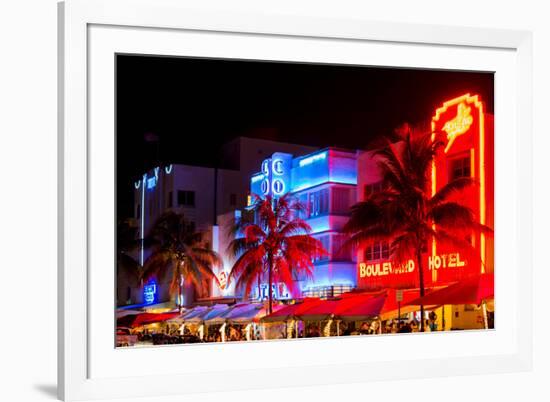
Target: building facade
[[202, 194], [468, 135], [324, 182]]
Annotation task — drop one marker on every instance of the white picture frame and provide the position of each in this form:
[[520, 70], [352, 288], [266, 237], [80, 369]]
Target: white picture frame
[[85, 25]]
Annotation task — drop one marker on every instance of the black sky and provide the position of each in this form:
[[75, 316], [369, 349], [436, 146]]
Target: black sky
[[196, 105]]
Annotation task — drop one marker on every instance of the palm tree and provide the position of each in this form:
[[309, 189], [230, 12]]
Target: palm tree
[[278, 245], [405, 213], [179, 250]]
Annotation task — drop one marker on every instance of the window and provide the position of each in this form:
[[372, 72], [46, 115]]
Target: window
[[303, 213], [232, 199], [170, 199], [377, 251], [318, 203], [186, 198], [339, 252], [341, 201], [373, 188], [325, 241], [459, 167]]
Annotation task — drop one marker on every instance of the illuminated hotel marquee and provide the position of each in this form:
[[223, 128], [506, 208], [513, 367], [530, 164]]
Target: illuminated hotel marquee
[[467, 133]]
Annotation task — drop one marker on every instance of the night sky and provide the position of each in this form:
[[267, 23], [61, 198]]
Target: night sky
[[196, 105]]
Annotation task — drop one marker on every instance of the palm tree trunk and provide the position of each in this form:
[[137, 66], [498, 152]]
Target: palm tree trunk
[[270, 280], [421, 284], [180, 291]]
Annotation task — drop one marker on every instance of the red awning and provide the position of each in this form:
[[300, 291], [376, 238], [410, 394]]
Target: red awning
[[137, 320], [292, 310], [469, 291], [360, 307]]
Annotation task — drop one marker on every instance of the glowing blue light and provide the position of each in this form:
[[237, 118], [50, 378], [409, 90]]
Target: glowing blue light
[[279, 291], [150, 295], [320, 224], [313, 158], [320, 168], [151, 182], [257, 178], [265, 166], [265, 186], [278, 187], [277, 167]]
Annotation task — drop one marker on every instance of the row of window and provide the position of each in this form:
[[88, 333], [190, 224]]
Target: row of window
[[377, 251], [337, 252], [318, 203]]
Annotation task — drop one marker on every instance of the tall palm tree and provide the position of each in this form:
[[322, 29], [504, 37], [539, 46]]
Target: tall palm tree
[[179, 250], [405, 213], [278, 245]]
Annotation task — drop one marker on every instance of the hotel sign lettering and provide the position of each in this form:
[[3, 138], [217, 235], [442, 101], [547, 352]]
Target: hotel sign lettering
[[387, 268], [367, 270], [451, 260]]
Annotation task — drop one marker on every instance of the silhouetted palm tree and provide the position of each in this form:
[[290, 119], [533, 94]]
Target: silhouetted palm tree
[[405, 213], [179, 250], [278, 245]]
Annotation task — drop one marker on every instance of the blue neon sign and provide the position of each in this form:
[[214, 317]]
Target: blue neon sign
[[150, 295], [279, 291], [274, 177]]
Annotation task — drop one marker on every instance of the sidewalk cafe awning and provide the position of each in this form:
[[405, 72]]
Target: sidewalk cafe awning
[[360, 307], [199, 314], [469, 291], [137, 320], [217, 314], [349, 307], [293, 310], [243, 313]]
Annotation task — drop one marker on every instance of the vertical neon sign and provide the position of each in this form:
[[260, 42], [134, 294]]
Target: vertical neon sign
[[456, 126]]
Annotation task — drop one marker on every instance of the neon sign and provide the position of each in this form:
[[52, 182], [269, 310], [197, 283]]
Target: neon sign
[[451, 260], [313, 158], [265, 186], [464, 120], [278, 187], [151, 182], [274, 176], [257, 178], [458, 125], [150, 293], [384, 268], [279, 291], [222, 280], [277, 167]]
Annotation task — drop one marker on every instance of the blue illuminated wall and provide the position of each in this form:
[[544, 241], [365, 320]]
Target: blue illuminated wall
[[326, 166], [281, 173]]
